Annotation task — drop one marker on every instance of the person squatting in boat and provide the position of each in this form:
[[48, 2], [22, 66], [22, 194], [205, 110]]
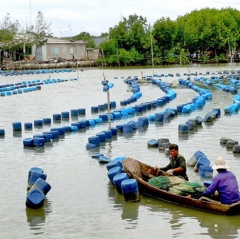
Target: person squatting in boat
[[177, 165], [224, 186]]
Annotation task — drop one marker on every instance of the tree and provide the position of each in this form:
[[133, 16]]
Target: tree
[[85, 36], [39, 33], [164, 32]]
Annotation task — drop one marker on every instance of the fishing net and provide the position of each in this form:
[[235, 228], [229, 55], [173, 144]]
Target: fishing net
[[190, 188], [177, 186], [161, 182]]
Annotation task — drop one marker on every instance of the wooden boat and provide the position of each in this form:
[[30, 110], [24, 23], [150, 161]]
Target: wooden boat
[[143, 172]]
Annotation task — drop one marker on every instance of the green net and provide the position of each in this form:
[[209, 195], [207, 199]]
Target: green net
[[161, 182], [177, 187]]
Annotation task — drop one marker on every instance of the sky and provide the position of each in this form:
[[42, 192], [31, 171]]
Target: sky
[[71, 17]]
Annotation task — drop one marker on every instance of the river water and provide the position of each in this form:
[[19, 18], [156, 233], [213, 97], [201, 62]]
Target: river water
[[82, 203]]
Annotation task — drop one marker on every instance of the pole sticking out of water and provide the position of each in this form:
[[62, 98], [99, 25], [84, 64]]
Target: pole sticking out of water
[[108, 102]]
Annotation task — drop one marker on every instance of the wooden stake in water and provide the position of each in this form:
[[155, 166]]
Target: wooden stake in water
[[108, 102], [108, 98]]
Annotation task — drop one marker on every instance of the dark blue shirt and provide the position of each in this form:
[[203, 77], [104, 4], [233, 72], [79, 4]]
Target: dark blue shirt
[[227, 186]]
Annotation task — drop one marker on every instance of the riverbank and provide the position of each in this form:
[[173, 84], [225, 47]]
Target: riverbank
[[45, 65]]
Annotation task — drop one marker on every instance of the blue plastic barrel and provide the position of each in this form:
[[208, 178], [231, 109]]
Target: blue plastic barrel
[[118, 179], [47, 120], [127, 128], [205, 171], [38, 122], [34, 169], [74, 128], [2, 132], [108, 134], [203, 161], [34, 175], [42, 185], [28, 125], [159, 117], [94, 109], [153, 143], [97, 155], [114, 163], [94, 140], [119, 127], [91, 146], [143, 121], [130, 190], [182, 128], [35, 199], [74, 112], [104, 159], [28, 142], [38, 142], [81, 111], [56, 116], [102, 136], [48, 137], [65, 115], [114, 131], [17, 126], [114, 171]]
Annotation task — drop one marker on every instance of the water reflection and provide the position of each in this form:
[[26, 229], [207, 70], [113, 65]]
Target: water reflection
[[217, 226], [129, 209], [36, 217], [17, 134]]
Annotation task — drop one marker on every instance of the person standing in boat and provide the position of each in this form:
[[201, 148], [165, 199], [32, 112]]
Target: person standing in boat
[[224, 183], [177, 165]]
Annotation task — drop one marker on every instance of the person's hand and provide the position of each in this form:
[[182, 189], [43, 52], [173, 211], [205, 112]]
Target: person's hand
[[170, 172]]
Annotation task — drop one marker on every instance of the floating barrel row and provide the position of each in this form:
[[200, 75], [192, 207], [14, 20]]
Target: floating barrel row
[[201, 164], [234, 107], [226, 88], [118, 178], [17, 126], [161, 144], [132, 99], [95, 141], [230, 144], [25, 87], [121, 181], [37, 188], [194, 122], [39, 140], [32, 72], [102, 107]]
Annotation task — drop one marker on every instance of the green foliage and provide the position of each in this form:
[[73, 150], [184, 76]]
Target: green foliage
[[210, 34], [86, 37]]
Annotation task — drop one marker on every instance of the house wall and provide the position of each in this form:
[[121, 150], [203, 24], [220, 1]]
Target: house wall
[[92, 55], [65, 51]]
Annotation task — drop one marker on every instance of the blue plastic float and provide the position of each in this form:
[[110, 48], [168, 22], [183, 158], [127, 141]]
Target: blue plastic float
[[130, 190]]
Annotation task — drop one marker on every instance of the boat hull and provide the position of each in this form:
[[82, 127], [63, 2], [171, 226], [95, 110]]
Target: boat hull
[[133, 168]]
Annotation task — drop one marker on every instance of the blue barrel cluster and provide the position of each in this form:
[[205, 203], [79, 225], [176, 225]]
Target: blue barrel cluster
[[102, 159], [133, 84], [121, 181], [32, 72], [19, 88], [37, 188], [201, 164], [103, 107], [191, 123], [231, 109]]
